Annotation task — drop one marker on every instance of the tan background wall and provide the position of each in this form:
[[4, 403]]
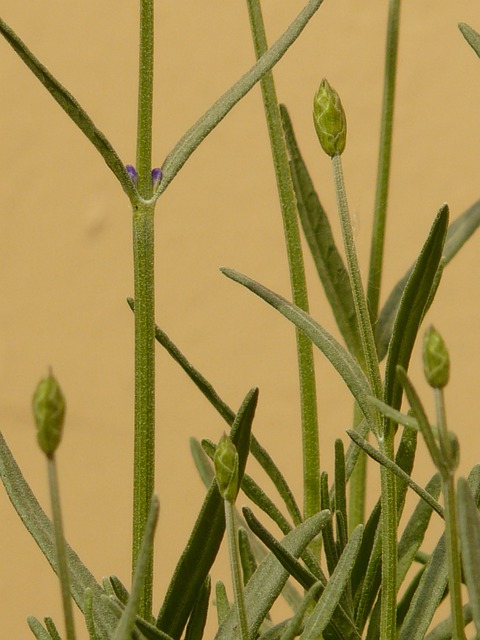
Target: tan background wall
[[66, 259]]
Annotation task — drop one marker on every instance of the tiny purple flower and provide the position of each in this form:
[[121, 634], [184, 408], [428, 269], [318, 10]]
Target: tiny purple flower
[[132, 172], [157, 175]]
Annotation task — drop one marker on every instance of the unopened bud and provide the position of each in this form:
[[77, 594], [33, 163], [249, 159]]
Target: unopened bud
[[226, 468], [329, 119], [49, 413], [436, 361]]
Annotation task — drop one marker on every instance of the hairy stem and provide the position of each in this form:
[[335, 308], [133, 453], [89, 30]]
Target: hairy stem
[[384, 160], [143, 253], [451, 527], [235, 568], [311, 456], [60, 547]]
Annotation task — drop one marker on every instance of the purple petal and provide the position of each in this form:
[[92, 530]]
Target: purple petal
[[157, 175], [132, 172]]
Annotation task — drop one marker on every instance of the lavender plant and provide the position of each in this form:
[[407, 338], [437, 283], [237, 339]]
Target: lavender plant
[[345, 573]]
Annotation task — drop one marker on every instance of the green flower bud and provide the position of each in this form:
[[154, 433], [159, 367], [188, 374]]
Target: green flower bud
[[436, 362], [49, 413], [226, 468], [329, 120]]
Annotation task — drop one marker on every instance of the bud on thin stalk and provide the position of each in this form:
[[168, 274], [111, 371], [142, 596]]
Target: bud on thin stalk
[[329, 120], [49, 413], [226, 468], [436, 361]]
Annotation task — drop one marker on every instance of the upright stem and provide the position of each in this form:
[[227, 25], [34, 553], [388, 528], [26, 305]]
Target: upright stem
[[60, 547], [143, 253], [145, 99], [234, 552], [451, 528], [384, 160], [383, 433], [311, 456]]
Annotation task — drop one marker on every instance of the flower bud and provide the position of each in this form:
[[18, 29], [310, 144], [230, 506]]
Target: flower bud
[[226, 468], [49, 413], [329, 120], [436, 362]]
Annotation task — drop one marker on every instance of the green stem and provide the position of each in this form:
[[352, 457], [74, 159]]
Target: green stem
[[361, 309], [235, 568], [451, 527], [311, 456], [358, 482], [143, 252], [60, 547], [144, 450], [145, 100], [383, 433], [384, 160]]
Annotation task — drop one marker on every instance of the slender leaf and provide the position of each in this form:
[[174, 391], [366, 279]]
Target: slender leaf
[[471, 36], [38, 629], [295, 624], [247, 557], [200, 130], [269, 579], [52, 629], [458, 233], [198, 619], [202, 547], [73, 109], [318, 233], [119, 589], [207, 389], [221, 601], [330, 598], [340, 481], [41, 529], [343, 362], [88, 613], [443, 631], [394, 468], [407, 596], [415, 529], [393, 414], [469, 525], [129, 615], [413, 306], [427, 595]]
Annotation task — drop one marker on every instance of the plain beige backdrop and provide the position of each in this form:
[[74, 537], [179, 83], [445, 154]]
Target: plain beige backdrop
[[65, 247]]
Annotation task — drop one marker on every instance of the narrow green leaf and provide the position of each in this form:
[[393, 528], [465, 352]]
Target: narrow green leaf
[[38, 629], [340, 481], [196, 623], [427, 596], [52, 629], [269, 579], [295, 624], [303, 575], [88, 613], [407, 596], [471, 36], [202, 547], [119, 589], [443, 631], [343, 362], [143, 628], [200, 130], [368, 541], [221, 601], [207, 389], [458, 233], [247, 557], [393, 414], [73, 109], [413, 306], [40, 528], [415, 529], [129, 615], [469, 525], [394, 468], [330, 598], [318, 233], [329, 546]]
